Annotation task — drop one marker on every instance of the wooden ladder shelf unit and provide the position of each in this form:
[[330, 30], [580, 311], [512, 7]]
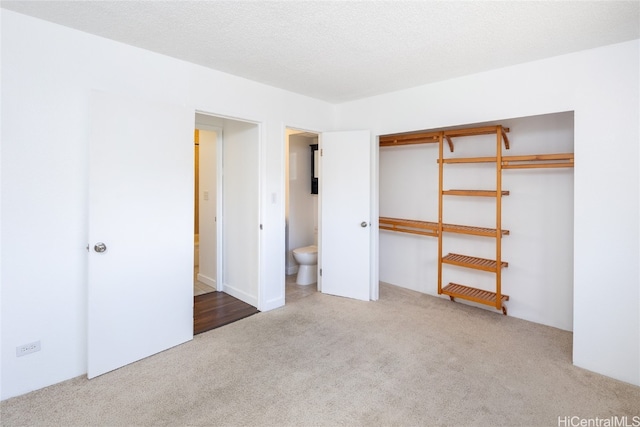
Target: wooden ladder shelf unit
[[494, 298]]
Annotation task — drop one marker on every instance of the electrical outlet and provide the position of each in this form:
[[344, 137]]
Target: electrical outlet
[[25, 349]]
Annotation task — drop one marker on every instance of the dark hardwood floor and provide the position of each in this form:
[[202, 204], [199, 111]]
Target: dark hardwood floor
[[216, 309]]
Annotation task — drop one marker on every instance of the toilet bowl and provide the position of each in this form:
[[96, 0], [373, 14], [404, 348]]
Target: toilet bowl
[[307, 259]]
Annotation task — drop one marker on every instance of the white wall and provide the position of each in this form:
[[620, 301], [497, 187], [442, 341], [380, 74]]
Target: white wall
[[207, 195], [601, 86], [303, 206], [48, 73]]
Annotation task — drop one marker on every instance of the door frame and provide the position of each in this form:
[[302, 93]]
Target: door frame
[[285, 155], [374, 253], [374, 274], [219, 197]]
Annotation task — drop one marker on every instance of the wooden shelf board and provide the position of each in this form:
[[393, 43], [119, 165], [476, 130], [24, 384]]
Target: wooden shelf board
[[408, 139], [477, 193], [425, 228], [539, 157], [538, 161], [408, 223], [481, 296], [468, 160], [484, 130], [469, 229], [537, 166], [429, 233], [476, 263], [434, 136], [428, 228]]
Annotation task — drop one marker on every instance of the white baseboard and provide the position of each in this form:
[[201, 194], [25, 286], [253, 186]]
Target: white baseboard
[[272, 304], [207, 281], [241, 295]]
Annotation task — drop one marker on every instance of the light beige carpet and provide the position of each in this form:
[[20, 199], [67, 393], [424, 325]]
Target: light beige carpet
[[405, 360]]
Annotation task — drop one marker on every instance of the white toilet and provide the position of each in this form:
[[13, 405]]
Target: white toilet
[[307, 259]]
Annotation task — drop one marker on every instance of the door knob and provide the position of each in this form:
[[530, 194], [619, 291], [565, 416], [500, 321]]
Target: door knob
[[363, 224], [100, 247]]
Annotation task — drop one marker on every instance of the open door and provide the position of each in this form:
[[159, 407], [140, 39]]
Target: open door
[[140, 260], [345, 209], [241, 211]]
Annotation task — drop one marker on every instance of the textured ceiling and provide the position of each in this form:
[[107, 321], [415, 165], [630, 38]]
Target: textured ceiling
[[344, 50]]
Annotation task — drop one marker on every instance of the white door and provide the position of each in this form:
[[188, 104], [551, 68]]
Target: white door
[[345, 210], [140, 284], [241, 211]]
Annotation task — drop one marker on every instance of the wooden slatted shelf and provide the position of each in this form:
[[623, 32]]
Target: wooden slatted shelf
[[469, 229], [481, 296], [473, 262], [427, 228], [564, 160], [424, 228], [477, 193], [538, 161]]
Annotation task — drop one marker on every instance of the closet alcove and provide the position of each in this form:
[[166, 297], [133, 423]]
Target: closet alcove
[[482, 213]]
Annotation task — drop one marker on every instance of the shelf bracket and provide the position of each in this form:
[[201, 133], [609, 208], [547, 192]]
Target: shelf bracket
[[504, 137], [450, 142]]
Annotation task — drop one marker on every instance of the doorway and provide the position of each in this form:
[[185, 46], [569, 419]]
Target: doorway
[[301, 206], [342, 212], [228, 206]]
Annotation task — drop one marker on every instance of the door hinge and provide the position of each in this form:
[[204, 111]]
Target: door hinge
[[322, 151], [260, 226], [320, 272]]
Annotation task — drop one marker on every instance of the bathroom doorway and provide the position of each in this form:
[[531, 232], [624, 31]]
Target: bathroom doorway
[[301, 207]]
